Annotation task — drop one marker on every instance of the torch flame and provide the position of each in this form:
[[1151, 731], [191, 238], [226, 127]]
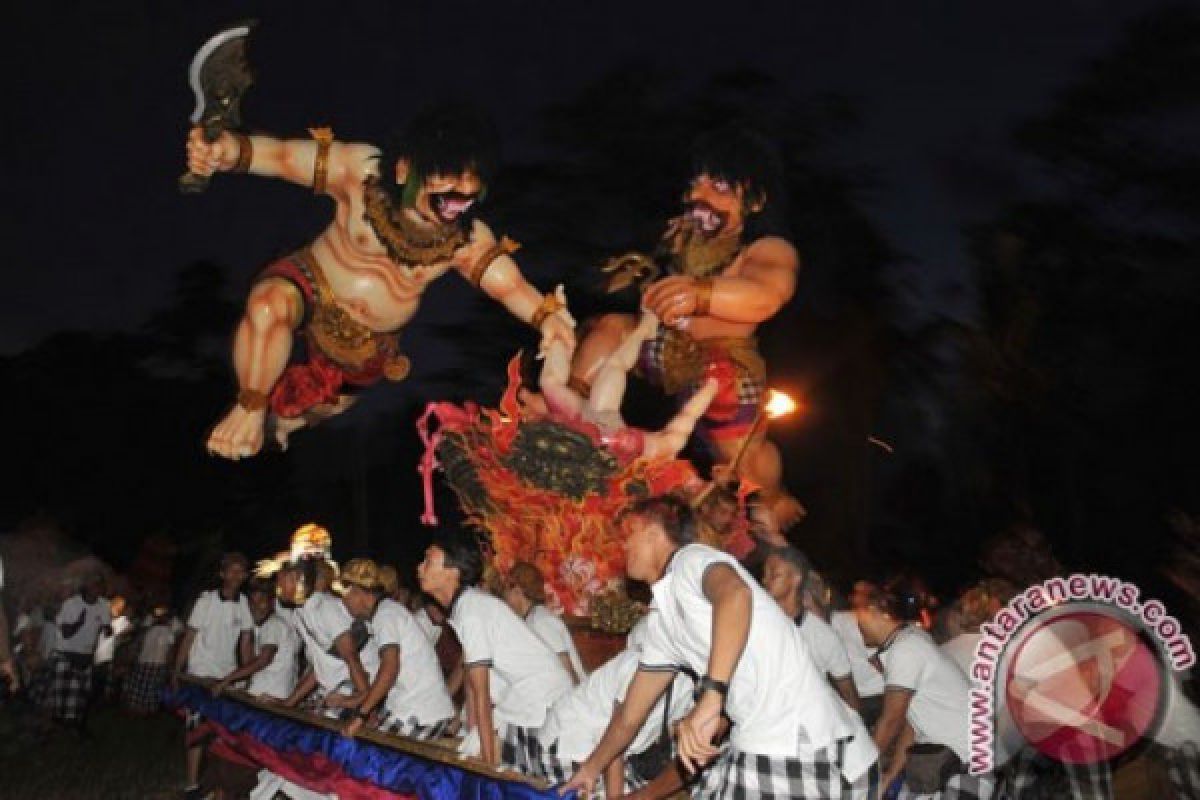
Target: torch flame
[[778, 404]]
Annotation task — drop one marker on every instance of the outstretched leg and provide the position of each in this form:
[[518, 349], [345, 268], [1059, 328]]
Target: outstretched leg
[[608, 385], [604, 335], [670, 440], [260, 352]]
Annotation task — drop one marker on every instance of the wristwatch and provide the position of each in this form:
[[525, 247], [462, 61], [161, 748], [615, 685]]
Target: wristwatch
[[707, 682]]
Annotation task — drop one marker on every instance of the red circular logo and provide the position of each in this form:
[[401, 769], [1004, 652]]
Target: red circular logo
[[1083, 687]]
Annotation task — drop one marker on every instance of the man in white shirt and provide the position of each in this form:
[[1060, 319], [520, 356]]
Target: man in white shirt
[[789, 729], [512, 678], [407, 696], [525, 593], [924, 688], [219, 633], [340, 662], [145, 681], [272, 670], [103, 678], [80, 621], [868, 681], [785, 577], [576, 722]]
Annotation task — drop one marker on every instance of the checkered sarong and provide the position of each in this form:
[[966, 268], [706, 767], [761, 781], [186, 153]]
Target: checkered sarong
[[1030, 775], [1183, 770], [959, 787], [521, 750], [411, 728], [737, 775], [143, 687], [69, 690]]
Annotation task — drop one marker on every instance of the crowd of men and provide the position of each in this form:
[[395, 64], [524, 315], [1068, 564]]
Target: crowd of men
[[730, 685]]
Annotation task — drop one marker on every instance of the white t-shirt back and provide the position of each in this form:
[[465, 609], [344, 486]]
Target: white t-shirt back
[[867, 680], [579, 718], [939, 709], [550, 628], [320, 621], [278, 678], [961, 650], [156, 644], [779, 703], [826, 648], [432, 630], [95, 616], [526, 677], [419, 691], [218, 623]]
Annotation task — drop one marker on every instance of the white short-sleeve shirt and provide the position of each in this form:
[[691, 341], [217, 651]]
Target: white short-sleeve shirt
[[95, 616], [779, 703], [218, 623], [278, 678], [432, 630], [961, 650], [526, 677], [578, 720], [419, 691], [867, 680], [156, 644], [826, 648], [550, 628], [939, 709], [320, 621]]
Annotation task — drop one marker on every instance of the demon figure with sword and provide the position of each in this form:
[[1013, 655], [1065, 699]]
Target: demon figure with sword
[[403, 217]]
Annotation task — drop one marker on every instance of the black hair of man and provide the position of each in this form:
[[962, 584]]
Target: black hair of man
[[445, 139], [260, 586], [673, 513], [797, 559], [234, 557], [462, 552], [746, 158]]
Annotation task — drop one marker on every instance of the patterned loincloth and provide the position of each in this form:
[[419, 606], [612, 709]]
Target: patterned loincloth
[[680, 365]]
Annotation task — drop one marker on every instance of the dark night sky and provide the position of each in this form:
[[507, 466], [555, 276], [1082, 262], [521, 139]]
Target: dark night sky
[[97, 113]]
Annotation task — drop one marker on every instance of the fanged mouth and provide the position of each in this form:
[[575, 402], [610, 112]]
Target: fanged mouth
[[705, 218], [449, 206]]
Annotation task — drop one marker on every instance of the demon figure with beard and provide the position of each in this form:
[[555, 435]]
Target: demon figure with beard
[[724, 277], [402, 218]]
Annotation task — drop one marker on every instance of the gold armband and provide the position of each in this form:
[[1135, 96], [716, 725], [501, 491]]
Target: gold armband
[[252, 399], [245, 152], [704, 290], [550, 305], [501, 248], [324, 138]]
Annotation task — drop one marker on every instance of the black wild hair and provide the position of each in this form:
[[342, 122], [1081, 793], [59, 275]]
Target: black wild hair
[[741, 156], [673, 513], [447, 139], [462, 553]]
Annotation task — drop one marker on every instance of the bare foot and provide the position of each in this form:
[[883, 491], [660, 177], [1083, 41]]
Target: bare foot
[[238, 435]]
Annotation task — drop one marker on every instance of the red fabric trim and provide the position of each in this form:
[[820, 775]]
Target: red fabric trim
[[313, 771]]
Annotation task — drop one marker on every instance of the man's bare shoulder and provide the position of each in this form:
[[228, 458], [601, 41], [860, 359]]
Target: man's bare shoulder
[[481, 232], [775, 251]]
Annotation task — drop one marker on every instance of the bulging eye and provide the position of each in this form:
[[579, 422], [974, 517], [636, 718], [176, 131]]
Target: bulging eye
[[722, 185]]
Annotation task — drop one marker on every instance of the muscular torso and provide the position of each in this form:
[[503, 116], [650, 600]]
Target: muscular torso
[[372, 288]]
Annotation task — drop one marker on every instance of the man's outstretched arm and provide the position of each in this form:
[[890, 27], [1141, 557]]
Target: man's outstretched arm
[[325, 167]]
